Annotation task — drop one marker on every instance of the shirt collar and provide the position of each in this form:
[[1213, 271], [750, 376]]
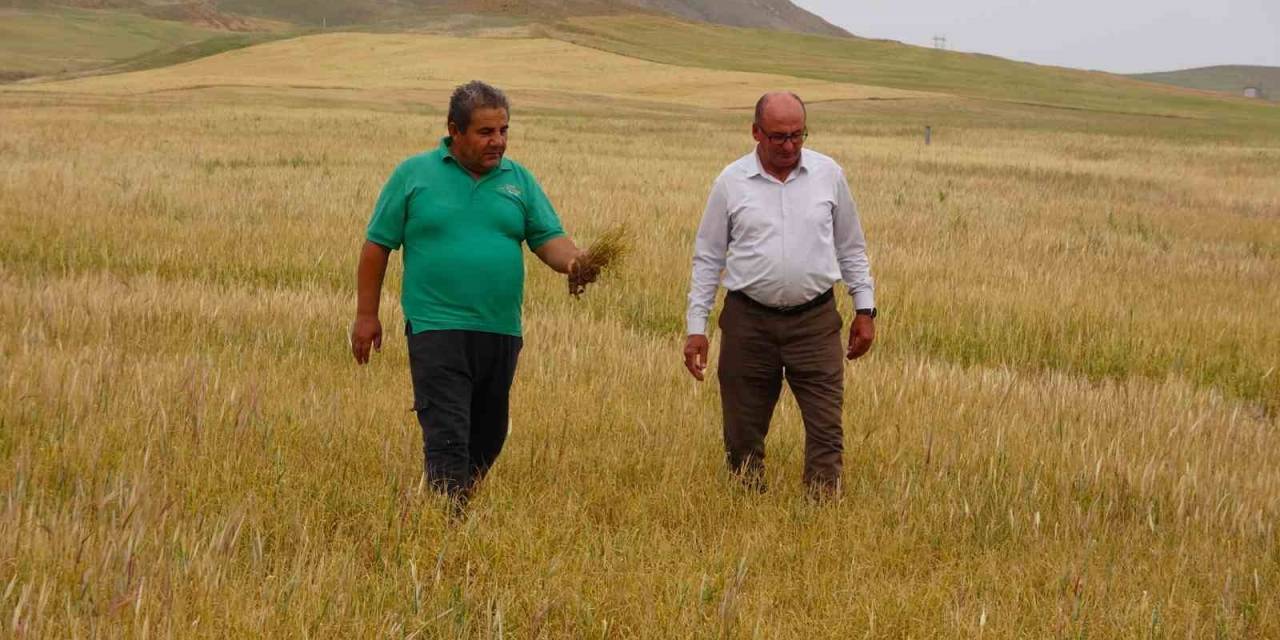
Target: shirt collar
[[447, 156], [757, 169]]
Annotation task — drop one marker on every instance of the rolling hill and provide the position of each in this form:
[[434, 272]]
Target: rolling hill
[[893, 64], [50, 37], [771, 14], [790, 59], [1226, 78], [781, 15], [421, 63], [49, 42]]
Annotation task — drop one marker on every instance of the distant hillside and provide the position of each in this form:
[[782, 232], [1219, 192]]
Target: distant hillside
[[1228, 79], [893, 64], [43, 37], [432, 64], [769, 14], [654, 37], [42, 42]]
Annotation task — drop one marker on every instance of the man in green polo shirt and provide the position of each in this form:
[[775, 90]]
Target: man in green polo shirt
[[461, 213]]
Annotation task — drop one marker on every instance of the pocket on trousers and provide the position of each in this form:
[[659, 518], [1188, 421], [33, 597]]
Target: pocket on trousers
[[726, 312]]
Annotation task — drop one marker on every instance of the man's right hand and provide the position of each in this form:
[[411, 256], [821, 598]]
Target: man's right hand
[[581, 274], [695, 355], [366, 332]]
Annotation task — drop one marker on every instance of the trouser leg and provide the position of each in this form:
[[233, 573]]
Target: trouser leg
[[814, 361], [442, 390], [490, 400], [750, 374]]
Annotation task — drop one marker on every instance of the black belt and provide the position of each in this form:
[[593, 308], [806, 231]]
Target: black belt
[[786, 311]]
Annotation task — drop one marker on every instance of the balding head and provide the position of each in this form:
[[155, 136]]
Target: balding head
[[779, 104]]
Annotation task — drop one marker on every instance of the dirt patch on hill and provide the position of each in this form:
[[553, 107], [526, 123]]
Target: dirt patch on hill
[[14, 76], [205, 14], [545, 8]]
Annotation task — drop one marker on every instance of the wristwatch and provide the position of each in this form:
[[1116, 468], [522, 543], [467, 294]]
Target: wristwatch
[[866, 312]]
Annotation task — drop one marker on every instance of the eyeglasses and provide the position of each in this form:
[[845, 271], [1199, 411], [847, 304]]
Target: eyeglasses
[[781, 138]]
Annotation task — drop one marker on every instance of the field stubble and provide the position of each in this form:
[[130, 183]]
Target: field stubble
[[1068, 426]]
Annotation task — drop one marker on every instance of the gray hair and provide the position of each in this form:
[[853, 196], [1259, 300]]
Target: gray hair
[[474, 95], [764, 101]]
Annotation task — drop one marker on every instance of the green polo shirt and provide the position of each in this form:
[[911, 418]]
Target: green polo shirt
[[463, 263]]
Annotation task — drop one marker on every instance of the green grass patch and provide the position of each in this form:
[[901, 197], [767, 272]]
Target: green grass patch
[[193, 51], [52, 41], [1226, 78]]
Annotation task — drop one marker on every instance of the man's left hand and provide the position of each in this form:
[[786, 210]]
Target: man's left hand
[[861, 334], [581, 274]]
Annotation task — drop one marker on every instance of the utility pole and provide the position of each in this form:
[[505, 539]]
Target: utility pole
[[940, 42]]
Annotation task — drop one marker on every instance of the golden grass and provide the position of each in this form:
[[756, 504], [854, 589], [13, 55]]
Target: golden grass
[[1067, 428]]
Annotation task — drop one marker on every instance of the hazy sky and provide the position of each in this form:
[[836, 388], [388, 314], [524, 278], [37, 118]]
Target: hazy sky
[[1123, 36]]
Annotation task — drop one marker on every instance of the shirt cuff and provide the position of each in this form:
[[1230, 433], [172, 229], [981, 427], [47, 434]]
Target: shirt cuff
[[864, 300], [382, 242], [538, 241], [696, 326]]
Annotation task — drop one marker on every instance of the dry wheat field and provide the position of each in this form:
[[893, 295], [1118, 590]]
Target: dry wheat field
[[1069, 426]]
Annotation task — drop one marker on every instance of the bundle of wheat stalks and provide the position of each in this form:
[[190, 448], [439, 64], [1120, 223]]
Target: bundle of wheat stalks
[[606, 252]]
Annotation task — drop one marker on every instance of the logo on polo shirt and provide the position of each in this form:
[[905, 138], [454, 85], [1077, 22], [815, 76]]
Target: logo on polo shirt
[[511, 190]]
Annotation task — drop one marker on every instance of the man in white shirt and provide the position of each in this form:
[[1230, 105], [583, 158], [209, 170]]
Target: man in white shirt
[[782, 227]]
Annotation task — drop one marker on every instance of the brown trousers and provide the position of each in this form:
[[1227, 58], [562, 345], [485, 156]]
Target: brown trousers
[[759, 347]]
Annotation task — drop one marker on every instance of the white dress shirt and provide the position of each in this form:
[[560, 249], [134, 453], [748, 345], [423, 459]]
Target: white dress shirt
[[780, 243]]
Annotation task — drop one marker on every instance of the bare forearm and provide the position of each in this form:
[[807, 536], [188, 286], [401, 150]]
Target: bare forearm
[[369, 275], [558, 253]]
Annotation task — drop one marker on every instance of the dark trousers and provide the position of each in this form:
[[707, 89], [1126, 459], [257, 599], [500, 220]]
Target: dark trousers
[[461, 386], [759, 348]]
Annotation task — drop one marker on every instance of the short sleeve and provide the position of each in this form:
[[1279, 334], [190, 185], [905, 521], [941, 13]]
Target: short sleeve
[[540, 220], [386, 228]]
